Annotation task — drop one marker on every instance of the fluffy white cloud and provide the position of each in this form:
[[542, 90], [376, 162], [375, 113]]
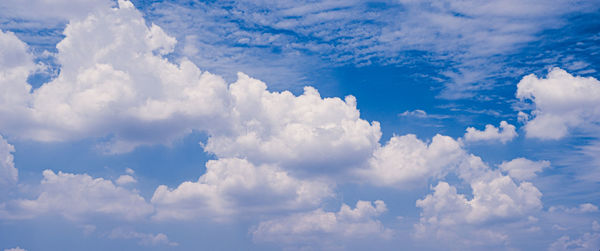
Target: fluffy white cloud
[[146, 239], [562, 102], [230, 186], [8, 172], [506, 132], [113, 81], [319, 226], [76, 196], [15, 66], [406, 161], [451, 216], [297, 133], [125, 179], [523, 169]]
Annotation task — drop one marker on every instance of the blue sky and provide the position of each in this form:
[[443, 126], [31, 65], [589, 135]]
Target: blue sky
[[317, 125]]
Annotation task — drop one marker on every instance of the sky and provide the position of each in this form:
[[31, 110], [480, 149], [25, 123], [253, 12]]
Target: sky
[[305, 125]]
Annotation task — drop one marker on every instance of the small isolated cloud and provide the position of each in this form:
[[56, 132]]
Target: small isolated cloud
[[562, 102], [522, 168], [422, 115], [319, 227], [231, 186], [76, 196], [506, 132], [125, 179], [15, 249], [146, 239]]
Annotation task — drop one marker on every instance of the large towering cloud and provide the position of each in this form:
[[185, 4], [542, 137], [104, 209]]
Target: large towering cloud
[[113, 81]]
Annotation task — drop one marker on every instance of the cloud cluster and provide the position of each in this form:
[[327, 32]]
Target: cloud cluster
[[506, 132], [452, 217], [275, 152], [319, 226], [77, 196], [562, 102], [232, 186]]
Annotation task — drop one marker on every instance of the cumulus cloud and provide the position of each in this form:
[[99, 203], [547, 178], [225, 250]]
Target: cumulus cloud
[[146, 239], [8, 172], [113, 81], [523, 169], [506, 132], [451, 216], [587, 241], [583, 208], [562, 102], [319, 226], [406, 161], [231, 186], [271, 127], [125, 179], [75, 196]]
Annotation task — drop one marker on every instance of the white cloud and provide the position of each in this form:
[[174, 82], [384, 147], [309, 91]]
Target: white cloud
[[8, 172], [506, 132], [146, 239], [125, 179], [523, 169], [587, 241], [452, 217], [231, 186], [422, 115], [75, 196], [562, 102], [280, 128], [15, 249], [15, 66], [319, 227], [582, 208], [406, 161], [113, 81]]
